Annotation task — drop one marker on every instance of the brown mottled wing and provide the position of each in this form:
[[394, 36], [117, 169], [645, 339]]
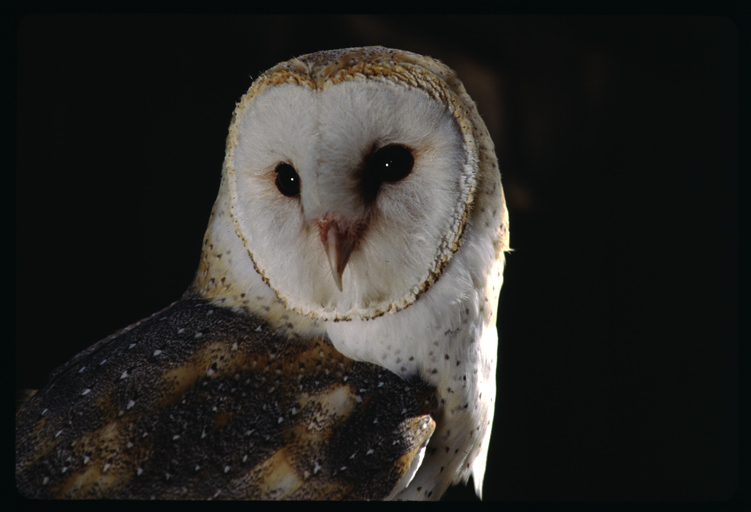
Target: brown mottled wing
[[199, 402]]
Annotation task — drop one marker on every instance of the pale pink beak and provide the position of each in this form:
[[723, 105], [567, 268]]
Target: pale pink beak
[[338, 241]]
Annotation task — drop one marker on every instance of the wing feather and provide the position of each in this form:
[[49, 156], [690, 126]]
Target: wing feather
[[201, 402]]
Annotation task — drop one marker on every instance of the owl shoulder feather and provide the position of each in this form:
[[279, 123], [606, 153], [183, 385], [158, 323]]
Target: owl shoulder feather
[[200, 401]]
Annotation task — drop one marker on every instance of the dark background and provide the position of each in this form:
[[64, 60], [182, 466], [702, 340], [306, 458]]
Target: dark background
[[618, 144]]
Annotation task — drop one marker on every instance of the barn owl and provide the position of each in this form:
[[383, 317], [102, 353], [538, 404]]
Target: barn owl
[[339, 340]]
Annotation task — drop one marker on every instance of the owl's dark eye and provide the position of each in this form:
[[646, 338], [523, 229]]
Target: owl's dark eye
[[392, 163], [287, 180], [388, 164]]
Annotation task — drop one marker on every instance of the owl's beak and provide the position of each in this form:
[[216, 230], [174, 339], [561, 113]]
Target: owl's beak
[[338, 241]]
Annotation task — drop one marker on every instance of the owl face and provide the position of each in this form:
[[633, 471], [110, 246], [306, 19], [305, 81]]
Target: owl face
[[351, 197]]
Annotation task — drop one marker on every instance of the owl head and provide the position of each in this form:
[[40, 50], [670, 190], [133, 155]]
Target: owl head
[[350, 178]]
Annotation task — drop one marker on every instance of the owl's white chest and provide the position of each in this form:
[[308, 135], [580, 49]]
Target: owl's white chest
[[448, 337]]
